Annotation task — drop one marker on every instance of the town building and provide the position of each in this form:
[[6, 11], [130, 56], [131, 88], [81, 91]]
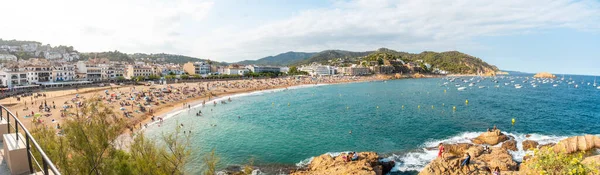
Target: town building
[[263, 69], [315, 69], [138, 70], [194, 68], [12, 76]]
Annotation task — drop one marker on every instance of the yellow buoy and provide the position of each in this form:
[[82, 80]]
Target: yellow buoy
[[454, 108], [444, 90], [513, 121], [377, 107], [288, 104], [431, 106], [467, 102], [347, 107], [419, 106], [273, 104], [443, 104], [402, 106]]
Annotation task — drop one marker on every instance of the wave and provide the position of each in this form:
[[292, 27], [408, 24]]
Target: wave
[[417, 159]]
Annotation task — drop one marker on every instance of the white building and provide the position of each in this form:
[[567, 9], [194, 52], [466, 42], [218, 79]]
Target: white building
[[262, 69], [235, 71], [37, 74], [138, 70], [7, 57], [317, 69], [13, 76], [64, 72]]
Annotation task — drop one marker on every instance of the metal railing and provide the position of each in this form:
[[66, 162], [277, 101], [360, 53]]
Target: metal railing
[[28, 140]]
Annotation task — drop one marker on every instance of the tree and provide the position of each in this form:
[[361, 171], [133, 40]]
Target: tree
[[87, 145], [210, 163], [153, 77], [184, 76], [171, 73], [120, 78]]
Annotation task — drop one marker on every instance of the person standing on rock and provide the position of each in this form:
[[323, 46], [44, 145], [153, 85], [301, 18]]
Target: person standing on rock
[[441, 151], [496, 171], [466, 162]]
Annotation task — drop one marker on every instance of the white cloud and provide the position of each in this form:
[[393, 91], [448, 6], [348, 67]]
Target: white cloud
[[176, 26], [406, 25]]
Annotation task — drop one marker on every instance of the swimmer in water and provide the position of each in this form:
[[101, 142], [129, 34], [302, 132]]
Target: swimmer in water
[[350, 132]]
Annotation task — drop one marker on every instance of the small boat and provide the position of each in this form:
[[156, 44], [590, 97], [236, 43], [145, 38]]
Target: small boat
[[481, 87], [555, 85], [497, 86], [506, 84], [462, 88], [472, 84], [518, 86], [598, 87], [576, 85]]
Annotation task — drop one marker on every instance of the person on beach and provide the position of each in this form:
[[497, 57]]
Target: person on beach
[[354, 156], [441, 151], [466, 162], [496, 171]]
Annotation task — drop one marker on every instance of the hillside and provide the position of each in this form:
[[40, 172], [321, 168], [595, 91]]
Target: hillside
[[453, 61], [110, 55], [282, 59], [324, 56]]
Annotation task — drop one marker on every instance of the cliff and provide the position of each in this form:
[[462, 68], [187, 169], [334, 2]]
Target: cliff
[[367, 164]]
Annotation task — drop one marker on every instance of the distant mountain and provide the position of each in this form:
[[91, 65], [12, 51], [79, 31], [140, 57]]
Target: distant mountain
[[282, 59], [325, 56]]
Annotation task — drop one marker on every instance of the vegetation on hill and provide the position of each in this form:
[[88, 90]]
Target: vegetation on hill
[[16, 42], [324, 56], [165, 58], [110, 55], [453, 61], [282, 59]]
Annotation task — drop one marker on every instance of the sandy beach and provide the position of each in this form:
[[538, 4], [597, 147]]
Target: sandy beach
[[142, 104]]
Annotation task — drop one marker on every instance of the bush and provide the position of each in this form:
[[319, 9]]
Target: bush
[[546, 161]]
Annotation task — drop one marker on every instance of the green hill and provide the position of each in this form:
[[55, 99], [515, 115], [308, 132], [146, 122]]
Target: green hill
[[453, 61], [282, 59], [324, 56]]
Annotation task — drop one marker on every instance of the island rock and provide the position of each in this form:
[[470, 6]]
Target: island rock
[[544, 75]]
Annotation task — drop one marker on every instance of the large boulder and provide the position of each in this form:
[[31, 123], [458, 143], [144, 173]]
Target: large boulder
[[367, 164], [544, 75], [491, 138], [577, 143], [498, 157], [510, 145], [529, 145]]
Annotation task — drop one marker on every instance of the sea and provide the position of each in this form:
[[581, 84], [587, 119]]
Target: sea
[[399, 119]]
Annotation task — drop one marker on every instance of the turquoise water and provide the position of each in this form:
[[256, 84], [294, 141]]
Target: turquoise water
[[318, 119]]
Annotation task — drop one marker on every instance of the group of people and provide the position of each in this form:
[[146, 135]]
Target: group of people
[[351, 156]]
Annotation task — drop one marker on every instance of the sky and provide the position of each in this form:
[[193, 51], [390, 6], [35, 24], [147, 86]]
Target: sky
[[558, 36]]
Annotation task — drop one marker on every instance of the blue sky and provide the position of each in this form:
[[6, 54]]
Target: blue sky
[[558, 36]]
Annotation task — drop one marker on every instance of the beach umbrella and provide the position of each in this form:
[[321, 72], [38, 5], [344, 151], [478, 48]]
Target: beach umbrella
[[122, 108], [37, 115]]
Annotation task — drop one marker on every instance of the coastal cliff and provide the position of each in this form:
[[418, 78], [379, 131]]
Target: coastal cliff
[[367, 164]]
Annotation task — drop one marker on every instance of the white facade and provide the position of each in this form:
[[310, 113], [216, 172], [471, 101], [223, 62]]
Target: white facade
[[235, 71], [64, 72], [261, 69], [14, 76], [317, 69]]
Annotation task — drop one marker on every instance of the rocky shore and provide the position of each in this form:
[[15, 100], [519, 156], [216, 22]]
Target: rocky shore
[[488, 151], [544, 75]]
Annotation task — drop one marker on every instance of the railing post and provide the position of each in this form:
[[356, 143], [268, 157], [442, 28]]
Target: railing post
[[45, 167], [28, 153], [16, 129], [7, 120]]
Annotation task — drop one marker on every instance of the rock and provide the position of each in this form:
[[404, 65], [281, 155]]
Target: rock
[[591, 161], [367, 164], [510, 145], [576, 144], [491, 138], [529, 145], [480, 162], [547, 145], [417, 75], [544, 75]]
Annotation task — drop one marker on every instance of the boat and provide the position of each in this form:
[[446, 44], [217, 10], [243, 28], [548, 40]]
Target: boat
[[598, 87], [481, 87], [506, 84], [471, 84], [576, 85], [555, 85], [497, 86], [518, 86], [462, 88]]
